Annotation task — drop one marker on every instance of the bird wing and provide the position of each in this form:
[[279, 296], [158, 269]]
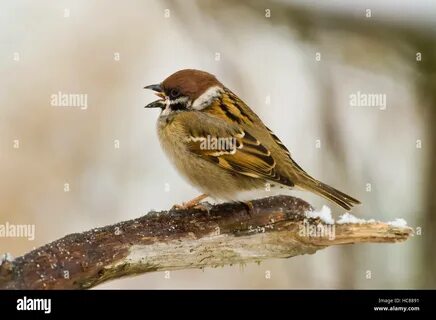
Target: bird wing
[[231, 147]]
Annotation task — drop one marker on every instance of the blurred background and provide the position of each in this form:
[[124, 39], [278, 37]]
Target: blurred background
[[296, 63]]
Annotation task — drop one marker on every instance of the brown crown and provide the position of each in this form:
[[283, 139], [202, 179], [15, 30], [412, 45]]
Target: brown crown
[[190, 82]]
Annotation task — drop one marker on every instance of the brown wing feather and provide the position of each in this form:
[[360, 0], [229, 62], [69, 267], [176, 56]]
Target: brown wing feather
[[245, 155], [229, 98]]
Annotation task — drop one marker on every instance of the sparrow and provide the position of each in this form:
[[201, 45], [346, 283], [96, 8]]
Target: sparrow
[[222, 147]]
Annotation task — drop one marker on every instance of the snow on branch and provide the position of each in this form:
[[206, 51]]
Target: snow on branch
[[276, 227]]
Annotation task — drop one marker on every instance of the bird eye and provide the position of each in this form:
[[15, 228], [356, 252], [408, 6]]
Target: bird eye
[[174, 93]]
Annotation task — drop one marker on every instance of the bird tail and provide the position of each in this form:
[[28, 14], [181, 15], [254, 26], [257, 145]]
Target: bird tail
[[330, 193]]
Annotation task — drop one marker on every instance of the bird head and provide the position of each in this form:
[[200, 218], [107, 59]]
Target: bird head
[[186, 90]]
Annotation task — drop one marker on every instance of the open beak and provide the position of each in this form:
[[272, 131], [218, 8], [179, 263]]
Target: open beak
[[159, 92]]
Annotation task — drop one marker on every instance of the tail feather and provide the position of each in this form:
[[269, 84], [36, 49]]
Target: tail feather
[[330, 193]]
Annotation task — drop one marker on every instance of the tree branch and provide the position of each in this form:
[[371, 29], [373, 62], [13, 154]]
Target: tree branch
[[276, 227]]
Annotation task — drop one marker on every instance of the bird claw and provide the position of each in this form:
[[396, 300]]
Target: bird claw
[[179, 207], [250, 208], [189, 204], [204, 206]]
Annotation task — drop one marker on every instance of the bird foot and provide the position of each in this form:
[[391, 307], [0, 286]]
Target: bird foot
[[250, 208], [194, 203]]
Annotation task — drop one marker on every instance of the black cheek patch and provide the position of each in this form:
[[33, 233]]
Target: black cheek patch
[[178, 107]]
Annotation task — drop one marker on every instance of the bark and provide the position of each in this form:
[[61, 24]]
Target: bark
[[225, 234]]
